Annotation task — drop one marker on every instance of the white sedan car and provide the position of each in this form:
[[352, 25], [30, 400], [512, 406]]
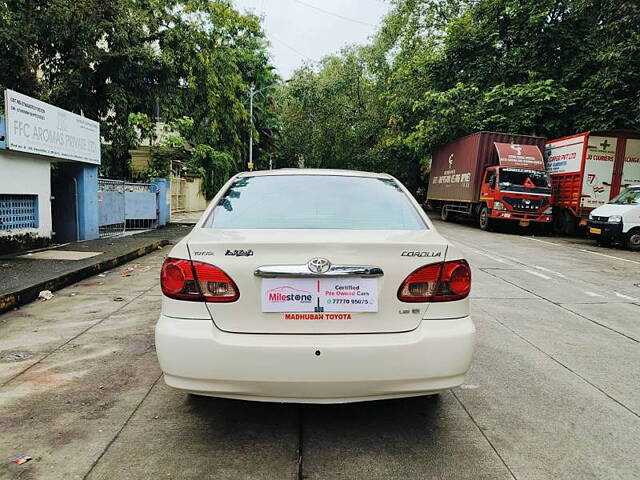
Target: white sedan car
[[318, 286]]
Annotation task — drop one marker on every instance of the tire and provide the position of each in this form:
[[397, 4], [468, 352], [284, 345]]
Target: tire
[[445, 215], [632, 240], [484, 221], [558, 222], [564, 222]]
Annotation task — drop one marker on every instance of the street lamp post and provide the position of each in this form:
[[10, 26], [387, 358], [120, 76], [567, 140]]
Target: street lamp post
[[252, 93]]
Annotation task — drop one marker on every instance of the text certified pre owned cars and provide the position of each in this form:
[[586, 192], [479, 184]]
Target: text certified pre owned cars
[[314, 286]]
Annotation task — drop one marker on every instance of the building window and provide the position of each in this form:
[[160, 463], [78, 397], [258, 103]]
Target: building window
[[18, 211]]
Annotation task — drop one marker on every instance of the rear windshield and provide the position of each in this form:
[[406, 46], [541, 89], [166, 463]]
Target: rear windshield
[[315, 202]]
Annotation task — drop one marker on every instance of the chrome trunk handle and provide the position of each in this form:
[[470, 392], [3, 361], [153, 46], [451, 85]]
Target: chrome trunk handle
[[303, 271]]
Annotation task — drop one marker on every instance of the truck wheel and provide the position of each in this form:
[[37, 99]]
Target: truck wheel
[[445, 215], [484, 221], [632, 240], [564, 223]]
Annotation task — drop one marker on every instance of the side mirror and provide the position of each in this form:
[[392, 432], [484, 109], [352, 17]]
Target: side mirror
[[492, 182]]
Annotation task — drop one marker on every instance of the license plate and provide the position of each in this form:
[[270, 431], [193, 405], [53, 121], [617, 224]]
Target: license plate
[[524, 223], [597, 231], [293, 295]]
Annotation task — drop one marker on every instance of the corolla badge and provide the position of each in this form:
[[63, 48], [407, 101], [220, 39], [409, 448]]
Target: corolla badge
[[319, 265]]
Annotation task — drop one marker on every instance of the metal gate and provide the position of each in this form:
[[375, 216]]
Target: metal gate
[[178, 194], [125, 206]]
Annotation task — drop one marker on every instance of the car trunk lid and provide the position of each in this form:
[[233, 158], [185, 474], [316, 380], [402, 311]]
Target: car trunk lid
[[280, 294]]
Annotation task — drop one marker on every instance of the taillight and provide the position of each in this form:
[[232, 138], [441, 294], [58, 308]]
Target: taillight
[[438, 282], [196, 281]]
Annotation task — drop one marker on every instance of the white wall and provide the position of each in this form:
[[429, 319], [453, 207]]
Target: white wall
[[194, 200], [28, 175]]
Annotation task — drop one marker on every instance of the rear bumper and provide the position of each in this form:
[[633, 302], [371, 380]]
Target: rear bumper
[[197, 357]]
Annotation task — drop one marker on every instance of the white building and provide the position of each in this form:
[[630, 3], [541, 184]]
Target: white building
[[33, 135]]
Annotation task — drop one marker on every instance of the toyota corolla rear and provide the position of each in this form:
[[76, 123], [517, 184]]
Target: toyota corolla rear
[[314, 286]]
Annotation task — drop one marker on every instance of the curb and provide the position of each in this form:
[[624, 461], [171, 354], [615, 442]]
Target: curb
[[29, 294]]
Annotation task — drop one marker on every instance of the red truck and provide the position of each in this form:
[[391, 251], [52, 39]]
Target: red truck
[[496, 177], [589, 169]]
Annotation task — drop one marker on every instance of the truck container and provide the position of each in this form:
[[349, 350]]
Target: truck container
[[589, 169], [496, 177]]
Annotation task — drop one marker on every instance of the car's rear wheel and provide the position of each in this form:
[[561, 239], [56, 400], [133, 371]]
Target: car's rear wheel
[[484, 220], [632, 239]]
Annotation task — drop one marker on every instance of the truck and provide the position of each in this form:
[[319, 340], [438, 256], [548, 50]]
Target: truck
[[587, 170], [494, 177]]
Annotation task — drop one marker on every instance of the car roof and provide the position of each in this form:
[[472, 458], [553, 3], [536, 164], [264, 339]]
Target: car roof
[[313, 171]]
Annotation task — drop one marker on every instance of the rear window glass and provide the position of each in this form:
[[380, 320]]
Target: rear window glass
[[315, 202]]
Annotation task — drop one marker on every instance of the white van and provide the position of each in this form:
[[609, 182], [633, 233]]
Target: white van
[[618, 220]]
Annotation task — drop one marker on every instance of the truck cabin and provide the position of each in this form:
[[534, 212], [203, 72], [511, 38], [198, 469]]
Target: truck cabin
[[517, 180]]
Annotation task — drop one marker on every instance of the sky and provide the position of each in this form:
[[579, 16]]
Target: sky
[[302, 31]]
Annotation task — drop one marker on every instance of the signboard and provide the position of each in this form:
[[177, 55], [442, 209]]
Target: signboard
[[42, 129], [598, 171], [515, 155], [320, 294], [565, 156], [631, 168]]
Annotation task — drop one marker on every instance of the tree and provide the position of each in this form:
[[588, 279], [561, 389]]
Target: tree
[[441, 69]]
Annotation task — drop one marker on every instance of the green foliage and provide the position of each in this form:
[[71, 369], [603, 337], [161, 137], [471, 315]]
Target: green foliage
[[143, 127], [214, 166], [441, 69]]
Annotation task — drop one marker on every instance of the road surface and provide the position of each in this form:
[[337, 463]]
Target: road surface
[[554, 391]]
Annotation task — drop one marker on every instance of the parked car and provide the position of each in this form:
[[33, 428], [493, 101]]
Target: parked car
[[317, 286], [495, 177], [589, 169], [618, 220]]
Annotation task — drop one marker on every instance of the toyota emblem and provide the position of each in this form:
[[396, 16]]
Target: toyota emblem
[[319, 265]]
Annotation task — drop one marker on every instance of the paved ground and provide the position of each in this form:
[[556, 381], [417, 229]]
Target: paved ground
[[19, 271], [186, 217], [554, 391]]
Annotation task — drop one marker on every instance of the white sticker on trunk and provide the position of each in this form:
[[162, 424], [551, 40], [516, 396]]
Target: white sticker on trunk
[[319, 295], [349, 295]]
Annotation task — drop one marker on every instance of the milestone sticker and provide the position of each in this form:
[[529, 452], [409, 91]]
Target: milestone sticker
[[303, 295], [289, 295]]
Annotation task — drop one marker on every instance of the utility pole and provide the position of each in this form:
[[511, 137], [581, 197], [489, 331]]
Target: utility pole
[[252, 92]]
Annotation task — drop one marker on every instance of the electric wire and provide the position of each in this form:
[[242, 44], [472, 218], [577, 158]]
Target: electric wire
[[337, 15]]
